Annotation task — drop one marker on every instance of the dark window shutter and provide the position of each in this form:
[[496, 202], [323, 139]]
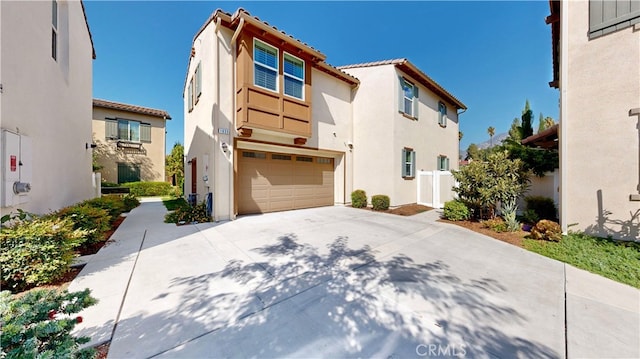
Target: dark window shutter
[[145, 132], [405, 173], [413, 164], [400, 94], [198, 80], [607, 16], [416, 101], [111, 129]]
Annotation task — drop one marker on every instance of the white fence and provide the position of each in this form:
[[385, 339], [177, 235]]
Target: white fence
[[435, 188]]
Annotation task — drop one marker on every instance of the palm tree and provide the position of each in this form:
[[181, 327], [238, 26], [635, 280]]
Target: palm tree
[[491, 131]]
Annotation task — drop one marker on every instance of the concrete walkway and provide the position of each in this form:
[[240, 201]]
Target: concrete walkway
[[339, 282]]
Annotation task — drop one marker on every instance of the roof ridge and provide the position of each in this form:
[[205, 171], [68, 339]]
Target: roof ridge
[[132, 108], [374, 63]]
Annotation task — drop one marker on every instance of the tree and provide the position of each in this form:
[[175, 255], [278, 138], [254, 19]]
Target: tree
[[515, 132], [484, 184], [491, 131], [175, 164], [527, 119], [473, 152]]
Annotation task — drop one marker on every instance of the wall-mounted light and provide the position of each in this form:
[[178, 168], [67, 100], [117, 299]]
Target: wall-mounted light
[[87, 145], [224, 147], [350, 145]]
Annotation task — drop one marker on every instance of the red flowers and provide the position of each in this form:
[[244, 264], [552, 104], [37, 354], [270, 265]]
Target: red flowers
[[52, 314], [78, 319]]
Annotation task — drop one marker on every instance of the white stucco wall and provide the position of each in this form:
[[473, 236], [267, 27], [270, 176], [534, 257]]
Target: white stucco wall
[[50, 101], [599, 83], [381, 132]]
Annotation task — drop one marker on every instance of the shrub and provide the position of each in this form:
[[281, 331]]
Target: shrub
[[547, 230], [141, 189], [456, 210], [95, 221], [38, 324], [530, 216], [188, 214], [37, 252], [509, 215], [544, 207], [173, 204], [496, 224], [380, 202], [109, 184], [112, 204], [130, 202], [358, 199]]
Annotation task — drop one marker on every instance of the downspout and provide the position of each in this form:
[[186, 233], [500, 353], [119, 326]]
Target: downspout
[[216, 122], [232, 214]]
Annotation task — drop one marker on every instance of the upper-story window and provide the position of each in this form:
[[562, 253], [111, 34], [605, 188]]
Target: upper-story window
[[54, 29], [408, 98], [443, 163], [293, 76], [127, 130], [607, 16], [265, 65], [442, 114]]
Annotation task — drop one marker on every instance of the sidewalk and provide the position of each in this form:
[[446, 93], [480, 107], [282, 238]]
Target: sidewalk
[[189, 291]]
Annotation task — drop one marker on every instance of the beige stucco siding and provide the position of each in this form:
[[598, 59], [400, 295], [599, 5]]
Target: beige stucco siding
[[47, 100], [600, 154], [151, 160]]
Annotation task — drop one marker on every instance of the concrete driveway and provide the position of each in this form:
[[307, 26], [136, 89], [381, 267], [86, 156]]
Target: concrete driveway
[[338, 282]]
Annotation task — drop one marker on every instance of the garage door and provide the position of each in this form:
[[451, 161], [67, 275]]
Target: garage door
[[269, 182]]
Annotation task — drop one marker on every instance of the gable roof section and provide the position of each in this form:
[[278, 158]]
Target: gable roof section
[[131, 108], [410, 69], [232, 21]]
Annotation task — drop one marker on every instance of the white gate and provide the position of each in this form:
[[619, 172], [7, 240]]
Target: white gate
[[435, 188]]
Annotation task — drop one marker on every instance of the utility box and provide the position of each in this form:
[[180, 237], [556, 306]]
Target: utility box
[[16, 168]]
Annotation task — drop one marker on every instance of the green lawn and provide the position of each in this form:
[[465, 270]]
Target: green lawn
[[616, 260], [173, 203]]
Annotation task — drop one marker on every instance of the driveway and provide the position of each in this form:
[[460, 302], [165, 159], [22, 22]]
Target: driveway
[[333, 282]]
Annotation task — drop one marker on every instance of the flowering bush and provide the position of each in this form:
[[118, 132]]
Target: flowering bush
[[38, 324]]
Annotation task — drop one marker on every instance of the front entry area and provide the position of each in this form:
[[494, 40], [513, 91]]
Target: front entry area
[[270, 182]]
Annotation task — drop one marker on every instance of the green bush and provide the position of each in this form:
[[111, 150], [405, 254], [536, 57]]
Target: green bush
[[456, 210], [496, 224], [188, 214], [95, 221], [109, 184], [130, 202], [112, 204], [544, 207], [37, 252], [530, 216], [38, 324], [380, 202], [173, 204], [547, 230], [358, 199], [142, 189]]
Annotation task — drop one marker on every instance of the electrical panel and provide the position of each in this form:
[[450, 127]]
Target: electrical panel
[[16, 169]]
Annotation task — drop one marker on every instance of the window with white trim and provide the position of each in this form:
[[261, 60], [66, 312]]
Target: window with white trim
[[54, 29], [408, 98], [198, 83], [127, 130], [442, 114], [293, 76], [408, 163], [443, 163], [265, 65]]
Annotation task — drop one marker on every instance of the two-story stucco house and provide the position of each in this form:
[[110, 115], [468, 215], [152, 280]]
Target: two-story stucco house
[[596, 58], [270, 126], [46, 60], [130, 141]]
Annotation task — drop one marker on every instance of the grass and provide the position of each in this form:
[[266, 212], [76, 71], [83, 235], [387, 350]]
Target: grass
[[173, 203], [615, 260]]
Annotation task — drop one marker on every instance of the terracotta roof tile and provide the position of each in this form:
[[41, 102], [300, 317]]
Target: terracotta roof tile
[[131, 108]]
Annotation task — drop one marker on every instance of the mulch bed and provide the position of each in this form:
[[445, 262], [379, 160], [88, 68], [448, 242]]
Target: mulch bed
[[515, 238], [405, 210]]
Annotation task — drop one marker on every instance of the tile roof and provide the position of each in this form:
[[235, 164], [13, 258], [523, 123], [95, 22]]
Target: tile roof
[[406, 65], [131, 108]]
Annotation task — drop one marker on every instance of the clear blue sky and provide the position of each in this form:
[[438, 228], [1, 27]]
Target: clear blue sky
[[491, 55]]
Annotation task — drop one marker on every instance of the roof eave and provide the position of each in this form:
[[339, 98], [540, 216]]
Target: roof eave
[[430, 83]]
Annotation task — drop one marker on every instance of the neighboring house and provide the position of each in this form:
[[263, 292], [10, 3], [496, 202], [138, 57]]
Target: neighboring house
[[270, 126], [46, 59], [596, 58], [130, 141]]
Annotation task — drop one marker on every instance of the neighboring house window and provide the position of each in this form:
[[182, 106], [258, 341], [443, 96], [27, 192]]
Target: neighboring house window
[[293, 76], [126, 130], [128, 172], [443, 163], [442, 114], [54, 29], [198, 84], [265, 68], [606, 16], [408, 163], [190, 95], [408, 98]]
